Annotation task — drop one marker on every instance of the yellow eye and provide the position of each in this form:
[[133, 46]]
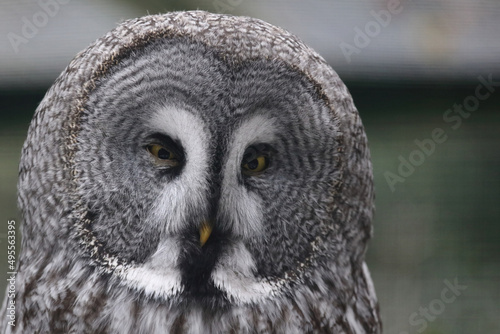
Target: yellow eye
[[163, 155], [256, 165]]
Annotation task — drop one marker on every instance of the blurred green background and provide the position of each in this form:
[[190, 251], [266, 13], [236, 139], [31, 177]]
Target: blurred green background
[[440, 224]]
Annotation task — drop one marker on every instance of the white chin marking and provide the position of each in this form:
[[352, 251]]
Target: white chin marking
[[234, 275], [241, 209], [187, 192], [158, 277]]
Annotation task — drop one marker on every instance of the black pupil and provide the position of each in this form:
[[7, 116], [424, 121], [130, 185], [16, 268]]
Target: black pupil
[[253, 164], [163, 154]]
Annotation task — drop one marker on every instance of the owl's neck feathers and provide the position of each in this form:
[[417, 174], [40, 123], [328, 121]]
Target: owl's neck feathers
[[106, 305]]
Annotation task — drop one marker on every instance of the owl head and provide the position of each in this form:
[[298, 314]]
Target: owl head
[[201, 161]]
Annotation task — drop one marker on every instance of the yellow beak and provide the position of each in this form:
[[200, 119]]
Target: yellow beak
[[205, 231]]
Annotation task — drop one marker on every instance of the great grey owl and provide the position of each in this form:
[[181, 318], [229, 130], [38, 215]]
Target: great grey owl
[[195, 173]]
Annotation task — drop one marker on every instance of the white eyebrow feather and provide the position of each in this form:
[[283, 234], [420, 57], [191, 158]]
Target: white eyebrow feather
[[241, 208], [188, 192]]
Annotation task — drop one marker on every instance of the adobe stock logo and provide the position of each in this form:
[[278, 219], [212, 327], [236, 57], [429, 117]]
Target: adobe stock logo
[[31, 26], [436, 307], [226, 6], [363, 37], [427, 146]]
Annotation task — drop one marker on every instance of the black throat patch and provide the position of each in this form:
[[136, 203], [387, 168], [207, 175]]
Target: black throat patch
[[196, 264]]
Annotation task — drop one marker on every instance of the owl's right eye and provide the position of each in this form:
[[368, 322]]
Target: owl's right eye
[[161, 152], [163, 156]]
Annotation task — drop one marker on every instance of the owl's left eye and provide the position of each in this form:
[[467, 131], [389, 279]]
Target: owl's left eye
[[255, 160], [256, 165], [164, 156]]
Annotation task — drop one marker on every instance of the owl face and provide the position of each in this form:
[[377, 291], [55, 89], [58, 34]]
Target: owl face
[[205, 178]]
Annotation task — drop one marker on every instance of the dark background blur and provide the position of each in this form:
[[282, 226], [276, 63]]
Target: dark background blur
[[407, 66]]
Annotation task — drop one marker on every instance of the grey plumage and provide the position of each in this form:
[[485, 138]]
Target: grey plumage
[[110, 235]]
